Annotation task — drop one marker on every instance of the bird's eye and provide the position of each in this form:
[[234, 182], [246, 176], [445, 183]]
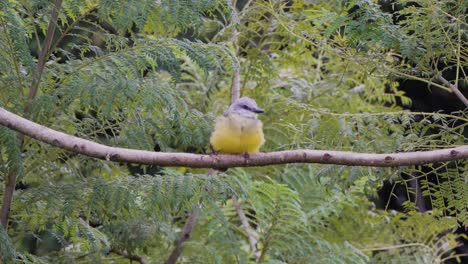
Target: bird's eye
[[245, 107]]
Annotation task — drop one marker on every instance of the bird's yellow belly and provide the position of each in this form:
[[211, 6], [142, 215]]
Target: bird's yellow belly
[[237, 135]]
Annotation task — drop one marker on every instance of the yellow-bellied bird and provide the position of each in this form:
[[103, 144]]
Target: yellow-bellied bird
[[238, 131]]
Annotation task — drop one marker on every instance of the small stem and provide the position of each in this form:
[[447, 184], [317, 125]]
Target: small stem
[[391, 247]]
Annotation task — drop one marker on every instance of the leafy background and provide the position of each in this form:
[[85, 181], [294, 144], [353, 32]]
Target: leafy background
[[343, 75]]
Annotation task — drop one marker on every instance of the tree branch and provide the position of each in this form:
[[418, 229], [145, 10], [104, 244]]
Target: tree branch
[[235, 88], [454, 89], [44, 52], [186, 234], [11, 180], [104, 152], [7, 198]]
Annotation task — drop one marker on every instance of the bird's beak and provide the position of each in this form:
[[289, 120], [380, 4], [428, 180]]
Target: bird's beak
[[258, 110]]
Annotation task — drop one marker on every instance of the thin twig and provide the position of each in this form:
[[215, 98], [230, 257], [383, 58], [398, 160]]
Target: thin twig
[[248, 229], [186, 235], [454, 89]]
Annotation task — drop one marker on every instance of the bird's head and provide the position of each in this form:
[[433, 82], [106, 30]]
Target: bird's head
[[245, 107]]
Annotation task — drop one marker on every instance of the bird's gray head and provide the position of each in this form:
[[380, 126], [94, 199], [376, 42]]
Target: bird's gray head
[[245, 107]]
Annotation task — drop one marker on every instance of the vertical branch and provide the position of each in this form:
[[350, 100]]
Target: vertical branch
[[459, 44], [235, 94], [186, 235], [10, 182], [250, 233], [43, 55], [235, 88]]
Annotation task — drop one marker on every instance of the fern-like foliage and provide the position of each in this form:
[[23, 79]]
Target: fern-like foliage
[[418, 245], [153, 75], [448, 191], [131, 214], [7, 250], [10, 147]]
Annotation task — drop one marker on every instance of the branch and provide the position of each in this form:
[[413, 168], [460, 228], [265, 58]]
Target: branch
[[7, 199], [250, 233], [454, 89], [11, 180], [186, 234], [104, 152], [235, 88], [44, 52]]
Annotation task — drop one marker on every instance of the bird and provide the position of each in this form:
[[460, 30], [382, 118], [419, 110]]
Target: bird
[[238, 131]]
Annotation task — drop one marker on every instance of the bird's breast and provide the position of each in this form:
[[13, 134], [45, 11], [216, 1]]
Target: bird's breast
[[237, 134]]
